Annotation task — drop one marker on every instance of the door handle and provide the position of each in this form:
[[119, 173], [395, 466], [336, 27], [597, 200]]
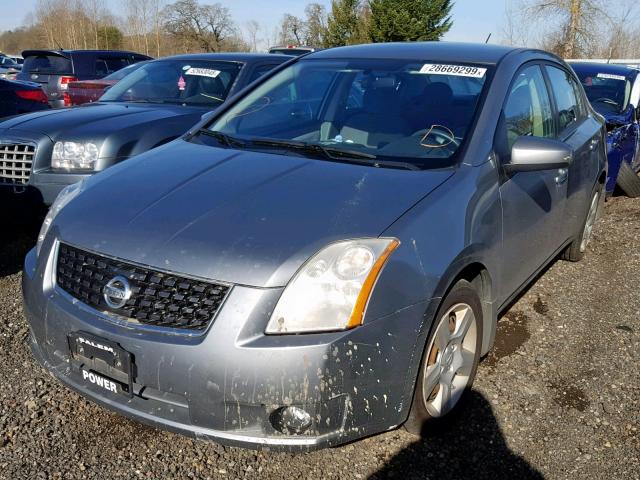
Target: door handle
[[562, 176]]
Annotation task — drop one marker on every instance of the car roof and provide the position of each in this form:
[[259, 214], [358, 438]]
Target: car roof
[[604, 68], [432, 51], [229, 57], [27, 53]]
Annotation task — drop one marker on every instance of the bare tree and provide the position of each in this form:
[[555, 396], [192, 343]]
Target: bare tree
[[207, 26], [515, 30], [618, 39], [292, 29], [577, 18], [316, 23], [253, 30]]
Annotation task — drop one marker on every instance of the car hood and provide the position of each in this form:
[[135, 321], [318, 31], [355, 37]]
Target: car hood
[[235, 216], [97, 120]]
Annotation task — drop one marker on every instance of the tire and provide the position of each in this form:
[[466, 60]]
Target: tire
[[628, 181], [576, 250], [451, 363]]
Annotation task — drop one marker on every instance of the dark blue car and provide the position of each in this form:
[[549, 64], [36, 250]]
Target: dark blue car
[[21, 97], [614, 91]]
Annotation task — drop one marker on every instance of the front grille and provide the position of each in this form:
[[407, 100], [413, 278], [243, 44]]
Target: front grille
[[157, 298], [15, 163]]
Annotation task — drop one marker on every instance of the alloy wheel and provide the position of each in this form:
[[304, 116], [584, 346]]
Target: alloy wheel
[[450, 359], [591, 220]]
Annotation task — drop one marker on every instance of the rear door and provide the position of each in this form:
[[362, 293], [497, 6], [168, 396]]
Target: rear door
[[533, 203]]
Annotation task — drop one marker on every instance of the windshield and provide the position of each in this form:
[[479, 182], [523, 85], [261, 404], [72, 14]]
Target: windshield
[[186, 82], [389, 110], [8, 62], [608, 92]]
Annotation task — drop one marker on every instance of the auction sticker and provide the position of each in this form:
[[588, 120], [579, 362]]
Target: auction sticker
[[455, 70], [203, 72], [611, 76]]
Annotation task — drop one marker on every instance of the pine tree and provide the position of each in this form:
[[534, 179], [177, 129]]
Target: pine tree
[[343, 23], [409, 20]]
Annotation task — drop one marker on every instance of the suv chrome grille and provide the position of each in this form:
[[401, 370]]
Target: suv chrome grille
[[157, 298], [16, 160]]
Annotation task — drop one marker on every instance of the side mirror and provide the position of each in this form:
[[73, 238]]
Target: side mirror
[[535, 153]]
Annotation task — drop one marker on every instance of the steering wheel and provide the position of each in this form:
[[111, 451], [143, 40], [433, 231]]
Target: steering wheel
[[438, 136]]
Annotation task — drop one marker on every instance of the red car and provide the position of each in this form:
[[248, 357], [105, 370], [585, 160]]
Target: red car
[[87, 91]]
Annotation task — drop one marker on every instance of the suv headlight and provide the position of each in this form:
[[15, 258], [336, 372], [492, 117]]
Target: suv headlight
[[75, 155], [63, 198], [331, 291]]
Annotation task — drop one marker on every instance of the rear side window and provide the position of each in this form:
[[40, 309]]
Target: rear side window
[[527, 111], [565, 92], [53, 64], [107, 65]]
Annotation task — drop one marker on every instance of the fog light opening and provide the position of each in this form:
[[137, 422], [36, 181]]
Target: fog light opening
[[290, 420]]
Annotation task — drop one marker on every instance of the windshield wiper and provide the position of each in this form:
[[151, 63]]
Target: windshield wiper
[[223, 138], [335, 154]]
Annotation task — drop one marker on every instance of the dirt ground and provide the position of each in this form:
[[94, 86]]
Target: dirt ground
[[558, 397]]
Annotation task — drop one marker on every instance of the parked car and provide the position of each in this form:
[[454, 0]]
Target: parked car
[[87, 91], [293, 50], [9, 68], [18, 59], [614, 91], [152, 106], [18, 97], [55, 69], [308, 267]]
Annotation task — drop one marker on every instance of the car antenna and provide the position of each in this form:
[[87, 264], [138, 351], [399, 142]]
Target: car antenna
[[487, 40], [58, 43]]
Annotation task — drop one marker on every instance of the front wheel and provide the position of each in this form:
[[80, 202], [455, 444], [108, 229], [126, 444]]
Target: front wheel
[[450, 359]]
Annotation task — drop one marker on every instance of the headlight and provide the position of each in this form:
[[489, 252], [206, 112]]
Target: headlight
[[74, 155], [63, 198], [331, 291]]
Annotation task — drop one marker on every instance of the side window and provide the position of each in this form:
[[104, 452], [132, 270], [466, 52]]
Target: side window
[[260, 70], [565, 92], [527, 111], [107, 65]]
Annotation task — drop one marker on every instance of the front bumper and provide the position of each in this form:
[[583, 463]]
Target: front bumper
[[225, 384], [51, 184]]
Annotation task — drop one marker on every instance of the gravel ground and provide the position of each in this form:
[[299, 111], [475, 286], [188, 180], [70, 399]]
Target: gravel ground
[[558, 397]]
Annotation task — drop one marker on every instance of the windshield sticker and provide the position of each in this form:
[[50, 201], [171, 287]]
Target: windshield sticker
[[455, 70], [611, 76], [203, 72], [181, 83]]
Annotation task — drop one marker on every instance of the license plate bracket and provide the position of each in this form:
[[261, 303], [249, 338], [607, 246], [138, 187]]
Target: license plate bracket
[[104, 357]]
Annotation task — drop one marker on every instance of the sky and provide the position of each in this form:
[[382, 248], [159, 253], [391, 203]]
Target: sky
[[473, 19]]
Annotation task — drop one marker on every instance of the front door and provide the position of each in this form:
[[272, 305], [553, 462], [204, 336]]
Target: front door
[[533, 203]]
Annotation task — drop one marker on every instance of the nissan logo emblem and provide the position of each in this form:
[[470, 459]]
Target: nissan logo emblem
[[117, 291]]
